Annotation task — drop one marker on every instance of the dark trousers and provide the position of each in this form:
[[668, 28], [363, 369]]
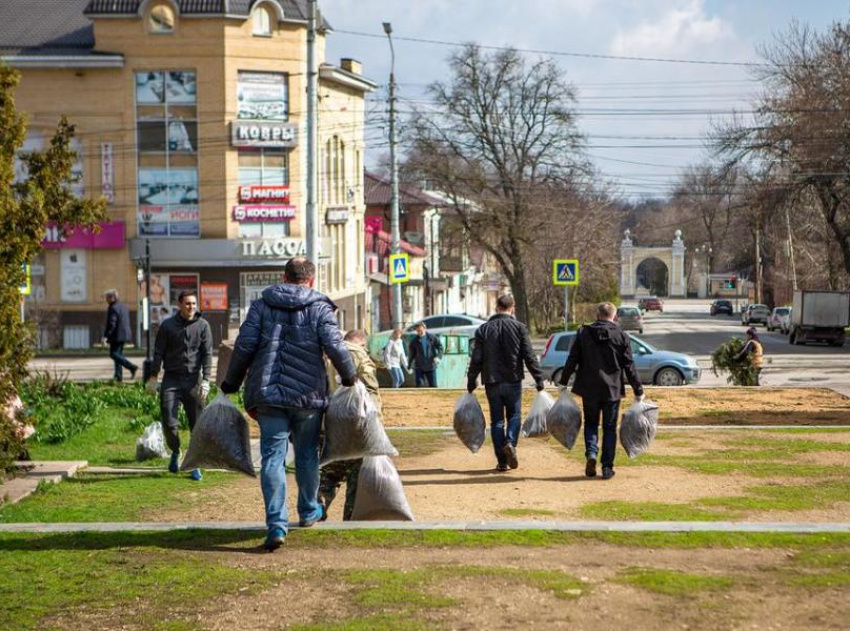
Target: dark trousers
[[331, 478], [174, 392], [116, 352], [426, 378], [505, 401], [609, 411]]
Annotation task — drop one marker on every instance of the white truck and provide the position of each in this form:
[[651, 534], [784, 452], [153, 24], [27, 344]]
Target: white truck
[[820, 316]]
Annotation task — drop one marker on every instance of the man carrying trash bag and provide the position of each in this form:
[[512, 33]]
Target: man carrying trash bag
[[502, 345], [281, 347], [600, 356]]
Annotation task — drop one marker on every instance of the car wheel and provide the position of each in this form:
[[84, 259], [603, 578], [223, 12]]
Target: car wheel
[[669, 377], [556, 377]]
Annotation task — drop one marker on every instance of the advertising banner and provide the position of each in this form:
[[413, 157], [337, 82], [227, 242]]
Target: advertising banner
[[213, 296], [73, 273], [262, 96], [110, 237], [107, 172], [260, 194], [175, 87], [267, 214]]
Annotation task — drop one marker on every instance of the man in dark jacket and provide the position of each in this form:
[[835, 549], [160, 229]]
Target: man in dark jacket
[[426, 353], [117, 333], [184, 347], [281, 346], [600, 355], [502, 345]]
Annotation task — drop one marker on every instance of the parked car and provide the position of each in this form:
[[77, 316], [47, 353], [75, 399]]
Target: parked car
[[662, 368], [651, 303], [780, 319], [449, 323], [630, 319], [722, 306], [755, 314]]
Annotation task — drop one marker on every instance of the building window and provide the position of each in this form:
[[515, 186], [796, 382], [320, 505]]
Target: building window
[[161, 19], [262, 22], [267, 169]]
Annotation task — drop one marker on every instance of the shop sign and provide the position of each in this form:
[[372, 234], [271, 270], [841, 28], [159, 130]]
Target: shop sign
[[260, 194], [269, 214], [214, 296], [110, 237], [337, 215], [283, 248], [73, 275], [107, 172], [262, 134]]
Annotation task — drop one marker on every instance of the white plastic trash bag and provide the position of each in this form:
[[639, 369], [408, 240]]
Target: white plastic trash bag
[[380, 495], [564, 419], [220, 440], [535, 422], [353, 427], [638, 427], [469, 422], [151, 444]]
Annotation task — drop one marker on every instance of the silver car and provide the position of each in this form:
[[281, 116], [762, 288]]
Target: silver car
[[450, 323], [662, 368]]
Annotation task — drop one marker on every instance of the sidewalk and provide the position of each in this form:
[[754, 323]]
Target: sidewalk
[[16, 489]]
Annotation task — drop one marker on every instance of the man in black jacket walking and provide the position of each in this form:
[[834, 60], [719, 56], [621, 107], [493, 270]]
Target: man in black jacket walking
[[600, 355], [184, 347], [117, 333], [502, 345], [426, 353]]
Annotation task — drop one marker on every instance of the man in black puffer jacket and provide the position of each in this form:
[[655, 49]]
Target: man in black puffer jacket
[[601, 353], [281, 346], [502, 345]]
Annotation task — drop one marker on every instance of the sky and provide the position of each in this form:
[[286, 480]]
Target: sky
[[644, 121]]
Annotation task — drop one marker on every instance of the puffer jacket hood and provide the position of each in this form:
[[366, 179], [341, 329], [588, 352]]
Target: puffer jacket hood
[[293, 297]]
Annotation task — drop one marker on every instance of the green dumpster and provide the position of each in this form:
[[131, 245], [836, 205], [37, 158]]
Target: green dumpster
[[451, 373]]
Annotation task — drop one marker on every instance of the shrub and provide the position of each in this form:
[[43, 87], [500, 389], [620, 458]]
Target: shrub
[[725, 360]]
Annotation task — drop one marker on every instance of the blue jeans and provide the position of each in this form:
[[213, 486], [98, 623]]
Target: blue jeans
[[397, 376], [276, 425], [505, 400], [426, 378], [609, 410]]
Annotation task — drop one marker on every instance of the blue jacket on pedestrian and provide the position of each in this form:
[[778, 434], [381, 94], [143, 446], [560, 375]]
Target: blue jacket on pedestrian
[[281, 346], [117, 324]]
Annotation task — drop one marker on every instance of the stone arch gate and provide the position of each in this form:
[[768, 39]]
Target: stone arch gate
[[632, 256]]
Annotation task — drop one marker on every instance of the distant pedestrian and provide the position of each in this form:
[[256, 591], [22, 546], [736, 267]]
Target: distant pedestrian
[[753, 352], [117, 333], [502, 345], [184, 348], [426, 353], [281, 348], [600, 356], [395, 358]]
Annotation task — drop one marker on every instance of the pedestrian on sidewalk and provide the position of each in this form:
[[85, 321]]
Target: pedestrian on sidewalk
[[348, 471], [184, 348], [395, 358], [281, 348], [502, 345], [426, 353], [600, 356], [117, 333], [753, 352]]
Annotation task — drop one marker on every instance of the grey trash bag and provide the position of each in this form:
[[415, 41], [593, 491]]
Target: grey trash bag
[[638, 427], [151, 444], [353, 427], [380, 495], [469, 422], [564, 419], [220, 440], [535, 422]]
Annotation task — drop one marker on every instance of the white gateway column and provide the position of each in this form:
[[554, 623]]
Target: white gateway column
[[627, 268], [677, 273]]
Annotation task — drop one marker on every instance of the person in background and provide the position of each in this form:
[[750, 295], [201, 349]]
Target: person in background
[[426, 353], [184, 348], [395, 358], [502, 346], [599, 357], [335, 473], [754, 352], [117, 333], [281, 348]]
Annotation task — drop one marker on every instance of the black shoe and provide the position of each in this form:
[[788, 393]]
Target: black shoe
[[133, 372], [607, 473], [590, 468], [307, 523], [501, 468], [510, 453]]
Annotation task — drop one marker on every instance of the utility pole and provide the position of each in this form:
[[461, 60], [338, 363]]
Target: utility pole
[[312, 219], [395, 231], [758, 262], [791, 250]]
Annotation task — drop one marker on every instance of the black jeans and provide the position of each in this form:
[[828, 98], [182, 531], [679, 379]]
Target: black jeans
[[174, 392], [609, 411], [426, 378], [505, 401], [116, 352]]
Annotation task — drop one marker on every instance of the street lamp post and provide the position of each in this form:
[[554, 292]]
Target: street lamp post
[[395, 229], [143, 275]]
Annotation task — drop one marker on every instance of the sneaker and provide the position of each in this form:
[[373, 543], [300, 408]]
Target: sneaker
[[510, 453], [174, 463], [196, 475], [275, 539], [590, 468], [133, 372], [307, 523], [607, 473], [501, 468]]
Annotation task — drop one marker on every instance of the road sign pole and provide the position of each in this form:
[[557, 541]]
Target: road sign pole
[[566, 307]]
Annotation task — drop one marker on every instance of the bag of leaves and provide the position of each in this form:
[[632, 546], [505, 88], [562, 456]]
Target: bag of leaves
[[638, 427], [151, 444], [353, 427], [380, 495], [564, 419], [469, 422], [535, 422], [220, 439]]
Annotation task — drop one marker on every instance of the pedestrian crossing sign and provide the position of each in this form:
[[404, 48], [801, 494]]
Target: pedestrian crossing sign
[[565, 272], [399, 268], [26, 286]]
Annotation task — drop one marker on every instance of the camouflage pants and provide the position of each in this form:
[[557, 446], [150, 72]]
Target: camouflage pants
[[332, 477]]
